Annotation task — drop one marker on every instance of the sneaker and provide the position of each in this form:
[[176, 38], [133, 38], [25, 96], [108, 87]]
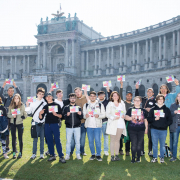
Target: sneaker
[[112, 158], [7, 150], [14, 155], [47, 153], [138, 160], [161, 160], [127, 153], [116, 158], [41, 156], [173, 159], [150, 153], [142, 153], [62, 160], [78, 156], [92, 157], [83, 154], [52, 158], [133, 160], [33, 156], [19, 156], [67, 157], [99, 158], [106, 153], [6, 156], [121, 153], [154, 160]]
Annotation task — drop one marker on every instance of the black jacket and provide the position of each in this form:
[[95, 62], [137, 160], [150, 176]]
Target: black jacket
[[74, 120], [105, 103], [163, 122], [145, 102]]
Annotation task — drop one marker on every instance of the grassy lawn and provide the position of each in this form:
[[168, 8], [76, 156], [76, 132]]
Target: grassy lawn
[[83, 169]]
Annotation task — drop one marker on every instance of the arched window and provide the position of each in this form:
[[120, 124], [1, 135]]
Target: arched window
[[142, 90], [69, 89], [169, 86], [155, 88], [116, 89], [60, 50], [129, 89], [43, 86]]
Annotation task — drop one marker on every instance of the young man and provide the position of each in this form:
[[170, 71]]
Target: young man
[[39, 103], [52, 127], [94, 112], [73, 126], [147, 103], [102, 99], [7, 101], [80, 101]]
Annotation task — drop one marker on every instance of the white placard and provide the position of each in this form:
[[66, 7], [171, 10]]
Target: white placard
[[39, 79]]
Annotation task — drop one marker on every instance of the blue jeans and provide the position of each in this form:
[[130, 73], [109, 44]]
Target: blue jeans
[[103, 132], [50, 130], [94, 134], [82, 140], [40, 133], [69, 134], [161, 136]]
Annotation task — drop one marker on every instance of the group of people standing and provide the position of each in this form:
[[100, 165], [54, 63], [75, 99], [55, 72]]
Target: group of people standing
[[96, 115]]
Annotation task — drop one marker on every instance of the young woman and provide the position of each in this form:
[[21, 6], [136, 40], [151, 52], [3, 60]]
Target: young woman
[[116, 124], [3, 128], [16, 121], [175, 126], [160, 118], [137, 126]]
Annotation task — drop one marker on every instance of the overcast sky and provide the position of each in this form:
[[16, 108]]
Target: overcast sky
[[18, 18]]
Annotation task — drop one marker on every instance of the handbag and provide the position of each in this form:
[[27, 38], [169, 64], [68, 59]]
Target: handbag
[[33, 126]]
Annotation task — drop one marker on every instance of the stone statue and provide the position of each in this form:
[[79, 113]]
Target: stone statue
[[67, 25], [46, 18], [69, 15], [45, 29], [41, 20], [74, 25], [39, 29], [75, 15]]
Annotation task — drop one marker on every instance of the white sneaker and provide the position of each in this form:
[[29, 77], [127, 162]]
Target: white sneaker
[[6, 156], [106, 153], [67, 157], [33, 156], [41, 156], [78, 156]]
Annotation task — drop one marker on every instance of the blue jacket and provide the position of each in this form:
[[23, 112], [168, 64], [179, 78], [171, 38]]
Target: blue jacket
[[170, 98], [3, 127]]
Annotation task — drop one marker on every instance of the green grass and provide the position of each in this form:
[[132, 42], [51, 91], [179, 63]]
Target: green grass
[[83, 169]]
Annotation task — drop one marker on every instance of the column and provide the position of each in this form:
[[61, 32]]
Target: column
[[160, 52], [73, 52], [95, 59], [50, 63], [112, 61], [125, 63], [146, 63], [164, 52], [133, 57], [120, 56], [82, 64], [24, 64], [138, 60], [66, 62], [28, 66], [99, 70], [173, 50], [11, 69], [15, 68], [39, 56], [2, 68], [87, 61], [44, 55], [178, 48], [151, 64], [107, 69]]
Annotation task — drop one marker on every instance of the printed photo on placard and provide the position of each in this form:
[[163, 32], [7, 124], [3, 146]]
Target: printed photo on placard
[[31, 99], [159, 113], [90, 112], [53, 108], [136, 112], [1, 112], [178, 111], [121, 78], [139, 82], [170, 79], [55, 85], [85, 87], [74, 109], [9, 81], [107, 83], [15, 111], [118, 113]]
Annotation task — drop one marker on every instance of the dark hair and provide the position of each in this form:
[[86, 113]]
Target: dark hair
[[101, 92], [168, 91], [176, 100], [72, 95], [92, 92], [77, 89], [59, 91], [10, 88], [111, 96], [40, 90], [138, 97], [159, 96]]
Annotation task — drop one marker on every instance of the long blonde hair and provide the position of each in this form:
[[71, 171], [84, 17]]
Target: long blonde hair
[[13, 103]]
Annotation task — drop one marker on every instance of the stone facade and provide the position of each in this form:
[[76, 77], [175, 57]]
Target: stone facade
[[71, 53]]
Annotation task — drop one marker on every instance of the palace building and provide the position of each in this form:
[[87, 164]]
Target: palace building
[[71, 53]]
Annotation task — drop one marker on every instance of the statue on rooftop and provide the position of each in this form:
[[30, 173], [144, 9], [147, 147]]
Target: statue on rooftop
[[69, 15], [46, 18]]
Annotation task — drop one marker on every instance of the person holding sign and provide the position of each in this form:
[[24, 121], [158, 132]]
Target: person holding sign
[[73, 115], [94, 112], [36, 107], [159, 123], [7, 101], [175, 126], [115, 112], [16, 121], [137, 126], [51, 126]]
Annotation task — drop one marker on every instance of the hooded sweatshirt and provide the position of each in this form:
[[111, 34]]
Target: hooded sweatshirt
[[163, 122]]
